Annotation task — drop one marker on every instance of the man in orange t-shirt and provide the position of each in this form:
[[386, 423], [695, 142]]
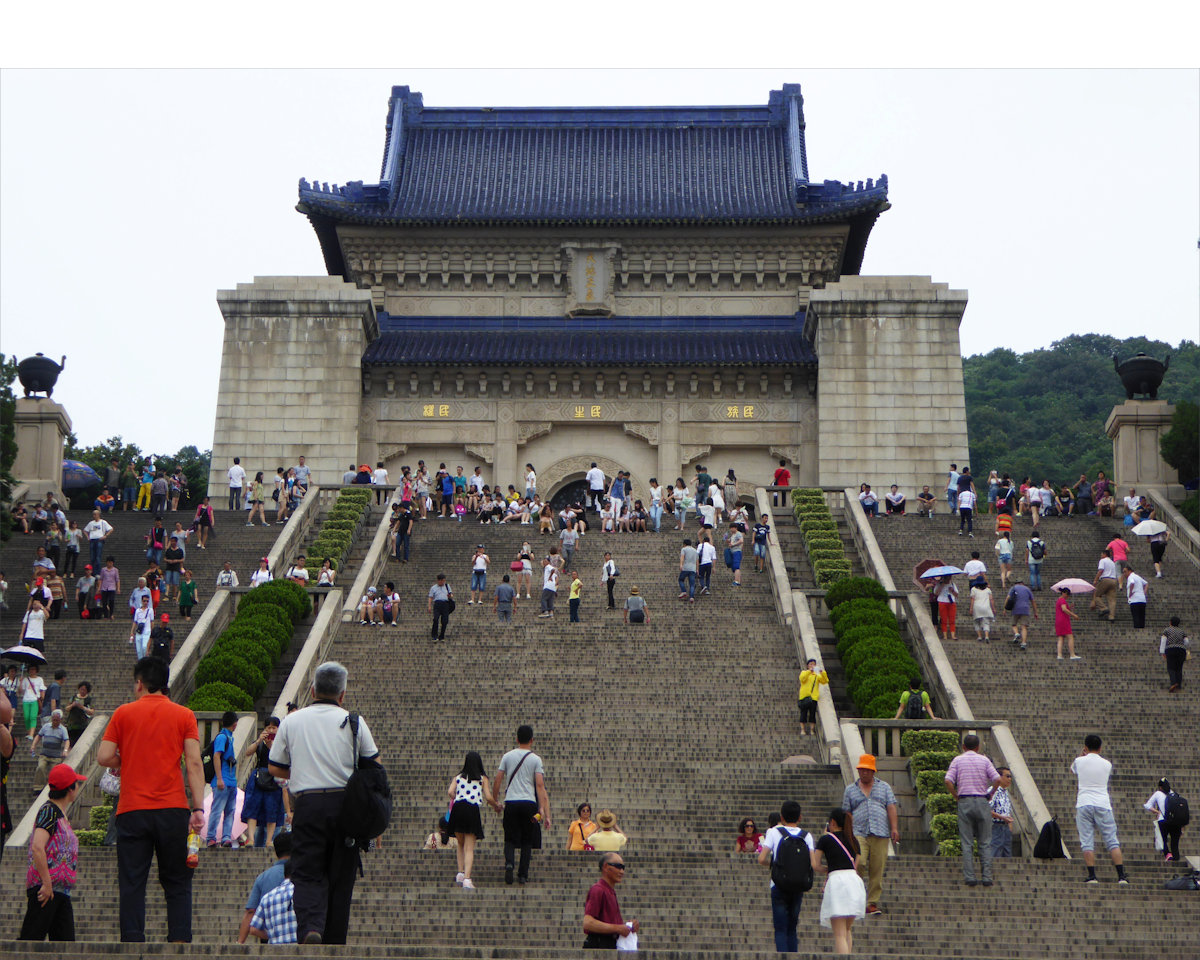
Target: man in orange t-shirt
[[144, 742]]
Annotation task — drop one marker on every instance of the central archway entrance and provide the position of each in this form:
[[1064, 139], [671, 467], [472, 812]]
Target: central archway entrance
[[567, 475], [573, 492]]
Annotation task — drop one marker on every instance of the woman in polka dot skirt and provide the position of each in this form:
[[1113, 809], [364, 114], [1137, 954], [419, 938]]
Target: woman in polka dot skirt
[[467, 791]]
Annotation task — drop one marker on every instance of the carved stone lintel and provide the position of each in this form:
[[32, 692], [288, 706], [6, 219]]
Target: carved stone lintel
[[789, 453], [690, 452], [644, 431], [484, 451], [391, 453], [532, 430]]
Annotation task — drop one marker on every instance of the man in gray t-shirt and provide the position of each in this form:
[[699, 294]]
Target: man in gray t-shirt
[[526, 803], [505, 600], [569, 538], [689, 557]]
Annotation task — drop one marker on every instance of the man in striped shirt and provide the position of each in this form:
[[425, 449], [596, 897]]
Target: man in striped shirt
[[970, 778]]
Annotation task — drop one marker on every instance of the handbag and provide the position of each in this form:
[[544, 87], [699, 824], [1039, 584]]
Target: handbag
[[110, 784], [1010, 601], [516, 566]]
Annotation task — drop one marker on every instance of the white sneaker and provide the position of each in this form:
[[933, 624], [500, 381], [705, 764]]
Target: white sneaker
[[459, 878], [467, 884], [1077, 658]]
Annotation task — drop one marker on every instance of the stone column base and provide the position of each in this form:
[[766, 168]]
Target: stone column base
[[42, 427], [1136, 428]]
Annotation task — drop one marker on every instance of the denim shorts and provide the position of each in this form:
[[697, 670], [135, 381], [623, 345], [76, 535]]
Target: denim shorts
[[171, 577], [1087, 819], [478, 579], [760, 549]]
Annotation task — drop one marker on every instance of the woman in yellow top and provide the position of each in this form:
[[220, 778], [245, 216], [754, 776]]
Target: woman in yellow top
[[810, 692], [608, 837], [582, 828]]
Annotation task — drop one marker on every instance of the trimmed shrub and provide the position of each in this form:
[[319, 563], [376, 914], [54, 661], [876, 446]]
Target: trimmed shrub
[[937, 803], [807, 495], [822, 540], [817, 523], [262, 655], [944, 826], [880, 620], [854, 588], [854, 607], [99, 816], [292, 597], [90, 838], [263, 637], [826, 553], [829, 572], [931, 760], [886, 684], [852, 631], [278, 637], [222, 667], [916, 741], [950, 848], [930, 781], [881, 708], [268, 612], [347, 525], [873, 653], [221, 696]]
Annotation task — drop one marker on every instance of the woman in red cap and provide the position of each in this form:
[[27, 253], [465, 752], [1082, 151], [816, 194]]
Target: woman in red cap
[[53, 860]]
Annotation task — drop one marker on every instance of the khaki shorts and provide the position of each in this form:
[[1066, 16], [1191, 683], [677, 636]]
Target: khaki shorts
[[1020, 619]]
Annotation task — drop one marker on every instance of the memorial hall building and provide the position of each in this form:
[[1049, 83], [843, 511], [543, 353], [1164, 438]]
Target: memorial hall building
[[649, 288]]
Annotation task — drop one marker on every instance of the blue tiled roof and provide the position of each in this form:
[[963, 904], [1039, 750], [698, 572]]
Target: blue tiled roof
[[598, 165], [616, 341]]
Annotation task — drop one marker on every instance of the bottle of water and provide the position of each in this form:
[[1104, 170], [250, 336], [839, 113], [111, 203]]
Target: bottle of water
[[193, 849]]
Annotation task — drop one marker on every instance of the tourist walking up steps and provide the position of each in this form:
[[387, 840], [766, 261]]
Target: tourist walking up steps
[[876, 821], [466, 792], [526, 806], [969, 780], [845, 896], [1166, 805], [314, 752], [1173, 647], [602, 920], [786, 842], [440, 603], [1093, 808]]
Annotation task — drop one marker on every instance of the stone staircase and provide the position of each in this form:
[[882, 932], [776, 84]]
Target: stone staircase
[[681, 726], [98, 650], [1119, 689]]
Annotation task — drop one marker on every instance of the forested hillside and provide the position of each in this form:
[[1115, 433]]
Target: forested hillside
[[1042, 413]]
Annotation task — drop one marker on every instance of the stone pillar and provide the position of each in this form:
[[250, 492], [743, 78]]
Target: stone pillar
[[1136, 428], [670, 456], [291, 376], [41, 427], [505, 469], [890, 404]]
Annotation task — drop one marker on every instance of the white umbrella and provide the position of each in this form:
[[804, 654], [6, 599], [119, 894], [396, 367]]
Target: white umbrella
[[1074, 584], [24, 654], [1148, 528]]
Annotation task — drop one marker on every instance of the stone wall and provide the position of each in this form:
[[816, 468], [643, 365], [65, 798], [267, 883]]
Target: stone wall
[[890, 388], [291, 380]]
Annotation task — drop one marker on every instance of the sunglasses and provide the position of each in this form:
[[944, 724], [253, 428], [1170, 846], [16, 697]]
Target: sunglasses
[[616, 866]]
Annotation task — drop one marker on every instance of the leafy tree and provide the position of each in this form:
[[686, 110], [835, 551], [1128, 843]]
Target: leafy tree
[[1041, 414], [194, 463], [1181, 444], [8, 440]]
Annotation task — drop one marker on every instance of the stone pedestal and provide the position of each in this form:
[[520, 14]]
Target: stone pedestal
[[890, 388], [42, 427], [1136, 428]]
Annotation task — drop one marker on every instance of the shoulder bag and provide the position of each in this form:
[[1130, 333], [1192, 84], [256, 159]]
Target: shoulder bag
[[367, 803]]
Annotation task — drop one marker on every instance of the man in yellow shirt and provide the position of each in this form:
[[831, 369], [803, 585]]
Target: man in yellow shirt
[[810, 692], [573, 599]]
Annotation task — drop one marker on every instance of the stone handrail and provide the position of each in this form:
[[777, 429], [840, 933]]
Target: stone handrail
[[794, 614], [371, 567], [287, 545], [209, 724], [864, 539], [82, 758], [298, 685], [1183, 533], [213, 620]]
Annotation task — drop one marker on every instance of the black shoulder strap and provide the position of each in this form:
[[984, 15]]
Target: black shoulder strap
[[352, 719]]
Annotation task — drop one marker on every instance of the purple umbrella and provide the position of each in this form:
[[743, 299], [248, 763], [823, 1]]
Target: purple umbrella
[[23, 654]]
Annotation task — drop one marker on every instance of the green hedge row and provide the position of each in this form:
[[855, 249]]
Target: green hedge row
[[821, 539], [878, 666], [937, 803], [333, 541], [235, 671], [913, 742]]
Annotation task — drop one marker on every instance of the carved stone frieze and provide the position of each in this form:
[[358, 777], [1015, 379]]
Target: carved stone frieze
[[694, 451], [789, 452], [532, 430], [482, 451], [644, 431]]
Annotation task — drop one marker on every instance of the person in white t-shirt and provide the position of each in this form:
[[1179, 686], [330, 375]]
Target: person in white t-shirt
[[785, 904], [975, 569], [1105, 583], [1136, 589], [1132, 502], [262, 574], [1093, 808], [966, 512], [237, 479], [549, 588]]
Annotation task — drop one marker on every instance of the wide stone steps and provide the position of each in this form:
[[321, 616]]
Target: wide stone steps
[[1118, 690]]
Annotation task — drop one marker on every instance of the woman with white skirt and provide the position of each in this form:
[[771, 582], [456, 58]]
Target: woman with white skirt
[[845, 896]]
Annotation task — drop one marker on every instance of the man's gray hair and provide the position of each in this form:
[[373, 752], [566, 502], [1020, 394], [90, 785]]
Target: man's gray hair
[[56, 714], [329, 680], [608, 857]]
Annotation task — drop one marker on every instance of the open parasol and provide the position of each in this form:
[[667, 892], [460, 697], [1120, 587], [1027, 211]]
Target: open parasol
[[1074, 584], [944, 571], [919, 570], [23, 654], [77, 475], [1148, 528]]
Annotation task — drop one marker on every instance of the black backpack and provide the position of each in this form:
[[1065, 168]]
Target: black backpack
[[791, 867], [1049, 842], [367, 803], [1037, 549], [208, 761], [1189, 881], [1177, 813], [160, 642], [914, 707]]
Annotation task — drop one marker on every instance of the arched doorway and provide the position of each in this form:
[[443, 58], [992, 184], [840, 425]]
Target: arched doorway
[[575, 491], [571, 470]]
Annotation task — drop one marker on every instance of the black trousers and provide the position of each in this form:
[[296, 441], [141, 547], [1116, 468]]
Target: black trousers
[[1175, 658], [520, 833], [1170, 840], [610, 583], [323, 868], [161, 834], [55, 921], [1137, 613], [108, 600], [441, 615]]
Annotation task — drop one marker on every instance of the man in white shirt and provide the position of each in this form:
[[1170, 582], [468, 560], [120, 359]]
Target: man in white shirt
[[549, 588], [595, 482], [1093, 808], [313, 751], [1105, 583], [1131, 502], [785, 905], [1136, 589], [237, 477], [97, 532], [975, 569]]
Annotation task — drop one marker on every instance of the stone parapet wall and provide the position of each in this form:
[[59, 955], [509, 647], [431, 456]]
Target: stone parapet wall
[[290, 376], [890, 389]]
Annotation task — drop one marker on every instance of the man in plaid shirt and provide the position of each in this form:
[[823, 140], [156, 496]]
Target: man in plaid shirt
[[275, 920]]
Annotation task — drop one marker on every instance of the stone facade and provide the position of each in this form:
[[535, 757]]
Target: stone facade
[[290, 376], [890, 388]]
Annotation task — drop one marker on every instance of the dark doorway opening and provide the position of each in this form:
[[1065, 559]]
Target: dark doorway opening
[[572, 493]]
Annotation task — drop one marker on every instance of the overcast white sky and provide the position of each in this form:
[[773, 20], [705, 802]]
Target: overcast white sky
[[1064, 200]]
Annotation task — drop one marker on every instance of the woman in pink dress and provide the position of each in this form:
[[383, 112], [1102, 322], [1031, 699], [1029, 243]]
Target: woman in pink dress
[[1063, 615]]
